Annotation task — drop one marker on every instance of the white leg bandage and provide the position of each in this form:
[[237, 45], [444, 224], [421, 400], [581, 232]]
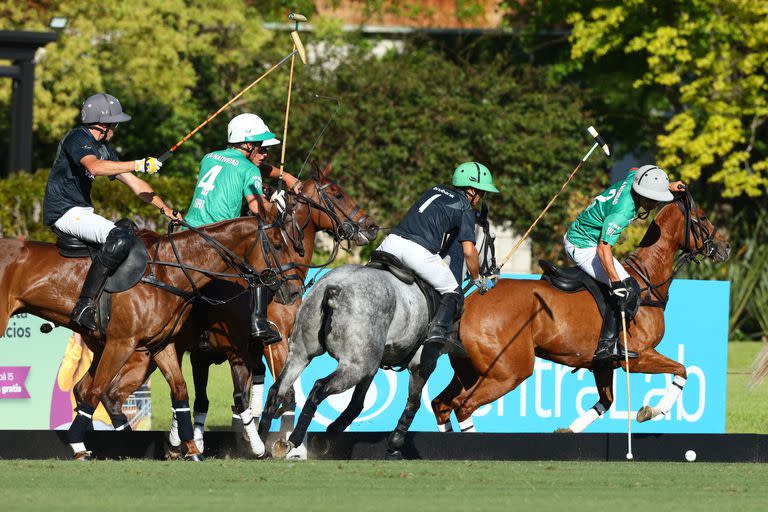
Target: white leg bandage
[[249, 427], [257, 400], [446, 427], [670, 397], [586, 419], [173, 435], [199, 429], [77, 447], [467, 425]]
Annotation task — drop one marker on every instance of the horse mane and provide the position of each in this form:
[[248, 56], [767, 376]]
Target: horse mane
[[653, 233]]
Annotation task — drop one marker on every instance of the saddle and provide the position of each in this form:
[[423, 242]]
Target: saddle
[[384, 261], [124, 278], [573, 279], [127, 274]]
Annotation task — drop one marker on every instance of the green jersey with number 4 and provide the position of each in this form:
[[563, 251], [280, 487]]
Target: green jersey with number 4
[[225, 178], [606, 216]]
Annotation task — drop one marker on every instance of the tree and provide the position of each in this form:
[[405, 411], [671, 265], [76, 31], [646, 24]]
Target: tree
[[709, 59], [169, 62]]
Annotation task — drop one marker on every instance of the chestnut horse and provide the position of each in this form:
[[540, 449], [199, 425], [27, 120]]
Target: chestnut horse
[[320, 204], [505, 328], [36, 279]]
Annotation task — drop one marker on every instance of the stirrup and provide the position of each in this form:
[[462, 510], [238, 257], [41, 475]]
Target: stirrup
[[266, 336], [84, 314]]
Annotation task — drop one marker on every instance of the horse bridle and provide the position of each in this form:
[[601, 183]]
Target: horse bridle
[[703, 248]]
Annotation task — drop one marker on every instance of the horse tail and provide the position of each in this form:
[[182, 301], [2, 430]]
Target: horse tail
[[329, 304], [760, 371]]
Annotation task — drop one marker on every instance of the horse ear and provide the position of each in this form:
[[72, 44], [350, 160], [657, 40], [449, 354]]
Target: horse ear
[[327, 171], [315, 169]]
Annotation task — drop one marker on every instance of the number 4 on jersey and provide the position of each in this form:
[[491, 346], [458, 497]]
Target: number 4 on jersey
[[207, 181]]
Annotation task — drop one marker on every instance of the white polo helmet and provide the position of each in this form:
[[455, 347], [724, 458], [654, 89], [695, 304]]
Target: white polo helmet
[[653, 183], [250, 128]]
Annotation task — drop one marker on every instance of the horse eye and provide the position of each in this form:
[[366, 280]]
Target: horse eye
[[339, 196]]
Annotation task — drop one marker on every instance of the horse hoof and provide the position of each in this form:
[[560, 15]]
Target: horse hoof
[[564, 431], [173, 453], [194, 457], [393, 455], [281, 448], [298, 453], [644, 414], [84, 456]]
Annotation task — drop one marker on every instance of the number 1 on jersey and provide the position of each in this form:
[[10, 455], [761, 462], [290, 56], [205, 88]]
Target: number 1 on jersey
[[207, 181]]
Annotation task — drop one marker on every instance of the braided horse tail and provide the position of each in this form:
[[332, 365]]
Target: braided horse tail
[[760, 371]]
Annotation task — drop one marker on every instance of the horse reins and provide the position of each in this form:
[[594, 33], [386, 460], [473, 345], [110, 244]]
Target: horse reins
[[702, 246]]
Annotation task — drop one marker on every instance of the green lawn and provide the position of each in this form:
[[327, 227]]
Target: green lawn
[[747, 407], [366, 485]]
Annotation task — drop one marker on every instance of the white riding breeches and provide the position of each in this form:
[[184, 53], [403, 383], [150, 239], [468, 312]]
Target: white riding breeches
[[430, 267], [81, 222], [588, 261]]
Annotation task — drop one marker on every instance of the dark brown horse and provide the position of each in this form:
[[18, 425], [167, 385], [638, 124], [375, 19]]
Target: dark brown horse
[[320, 204], [35, 279], [504, 329]]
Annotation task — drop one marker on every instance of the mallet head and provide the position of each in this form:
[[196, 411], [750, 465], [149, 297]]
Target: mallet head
[[603, 145], [294, 16], [299, 47]]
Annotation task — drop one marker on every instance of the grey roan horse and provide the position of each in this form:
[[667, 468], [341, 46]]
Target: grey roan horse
[[366, 319]]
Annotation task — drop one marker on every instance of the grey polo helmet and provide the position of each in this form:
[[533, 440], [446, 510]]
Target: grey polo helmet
[[653, 183], [103, 108]]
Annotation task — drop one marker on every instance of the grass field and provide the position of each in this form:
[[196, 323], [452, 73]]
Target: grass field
[[364, 485], [747, 408]]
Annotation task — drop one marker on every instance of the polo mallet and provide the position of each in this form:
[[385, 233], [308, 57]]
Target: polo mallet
[[298, 48], [629, 395], [298, 18], [598, 142]]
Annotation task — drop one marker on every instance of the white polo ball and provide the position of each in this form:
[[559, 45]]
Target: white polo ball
[[629, 456], [690, 455]]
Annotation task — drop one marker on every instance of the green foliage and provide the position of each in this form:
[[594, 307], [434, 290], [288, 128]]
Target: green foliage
[[170, 62], [710, 61], [409, 119]]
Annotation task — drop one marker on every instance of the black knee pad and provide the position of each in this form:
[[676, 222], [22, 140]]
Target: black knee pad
[[116, 247]]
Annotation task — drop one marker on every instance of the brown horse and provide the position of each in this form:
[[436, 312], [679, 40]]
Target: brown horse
[[504, 329], [320, 204], [36, 279]]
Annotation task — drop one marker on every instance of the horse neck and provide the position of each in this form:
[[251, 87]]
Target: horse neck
[[237, 236], [657, 250]]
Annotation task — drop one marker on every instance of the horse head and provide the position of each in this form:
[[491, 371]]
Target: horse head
[[335, 211], [695, 234]]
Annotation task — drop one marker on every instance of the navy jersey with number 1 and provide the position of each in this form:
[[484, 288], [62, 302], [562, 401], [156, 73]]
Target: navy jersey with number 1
[[441, 212]]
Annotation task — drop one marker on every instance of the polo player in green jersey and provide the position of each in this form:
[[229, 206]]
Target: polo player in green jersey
[[231, 175], [591, 236]]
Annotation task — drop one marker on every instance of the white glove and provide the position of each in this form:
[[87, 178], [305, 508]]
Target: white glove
[[278, 197], [148, 165]]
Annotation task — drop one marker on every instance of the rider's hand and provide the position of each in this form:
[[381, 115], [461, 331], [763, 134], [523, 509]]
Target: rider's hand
[[171, 214], [148, 165], [483, 283], [677, 186], [278, 198], [620, 293]]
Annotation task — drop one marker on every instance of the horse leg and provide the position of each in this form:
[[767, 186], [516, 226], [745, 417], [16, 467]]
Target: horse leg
[[652, 362], [168, 363], [276, 355], [200, 368], [354, 408], [498, 381], [396, 439], [241, 379], [604, 384], [464, 375], [294, 365], [340, 380], [112, 359]]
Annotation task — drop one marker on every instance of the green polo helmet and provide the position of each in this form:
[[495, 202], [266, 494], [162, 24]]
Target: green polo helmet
[[475, 175]]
